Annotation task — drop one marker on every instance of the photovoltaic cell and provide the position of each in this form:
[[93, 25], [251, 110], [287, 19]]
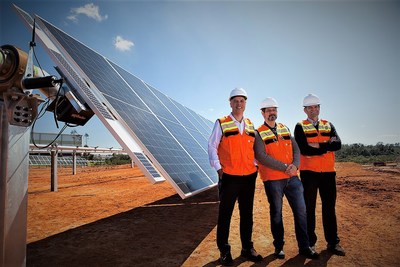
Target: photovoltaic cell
[[145, 161], [96, 68], [173, 138], [202, 126], [150, 99], [82, 85], [168, 103]]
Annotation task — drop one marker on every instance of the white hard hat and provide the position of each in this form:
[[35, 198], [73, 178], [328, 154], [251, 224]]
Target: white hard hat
[[311, 100], [238, 92], [269, 102]]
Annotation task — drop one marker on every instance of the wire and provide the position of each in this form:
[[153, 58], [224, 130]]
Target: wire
[[45, 105], [34, 54], [46, 146], [43, 109], [56, 103], [47, 102]]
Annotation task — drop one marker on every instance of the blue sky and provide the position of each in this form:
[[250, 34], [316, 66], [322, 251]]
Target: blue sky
[[346, 52]]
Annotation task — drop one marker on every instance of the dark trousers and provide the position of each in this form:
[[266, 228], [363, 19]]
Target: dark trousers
[[325, 182], [232, 188]]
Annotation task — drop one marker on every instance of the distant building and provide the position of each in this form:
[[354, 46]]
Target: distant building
[[62, 140]]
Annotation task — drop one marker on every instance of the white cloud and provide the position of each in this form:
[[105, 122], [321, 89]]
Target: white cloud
[[122, 45], [90, 10]]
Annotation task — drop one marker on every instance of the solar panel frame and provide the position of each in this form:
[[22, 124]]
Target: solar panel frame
[[187, 168]]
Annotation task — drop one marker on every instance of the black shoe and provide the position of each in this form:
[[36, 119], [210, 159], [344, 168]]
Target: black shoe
[[337, 250], [226, 259], [279, 253], [309, 253], [251, 254]]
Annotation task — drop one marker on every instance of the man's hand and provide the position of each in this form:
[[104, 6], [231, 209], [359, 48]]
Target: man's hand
[[316, 145], [291, 170], [220, 173]]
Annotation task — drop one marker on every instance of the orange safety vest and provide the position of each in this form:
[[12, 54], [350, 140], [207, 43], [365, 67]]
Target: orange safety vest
[[235, 151], [278, 147], [317, 163]]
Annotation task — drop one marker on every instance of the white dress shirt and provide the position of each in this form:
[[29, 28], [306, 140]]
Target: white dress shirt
[[215, 139]]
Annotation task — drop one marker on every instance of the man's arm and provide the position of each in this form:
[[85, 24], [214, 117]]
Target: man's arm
[[213, 143], [296, 152], [334, 143], [263, 158], [305, 148]]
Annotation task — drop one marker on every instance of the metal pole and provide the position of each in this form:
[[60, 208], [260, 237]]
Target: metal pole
[[74, 162], [3, 177], [54, 179], [14, 153]]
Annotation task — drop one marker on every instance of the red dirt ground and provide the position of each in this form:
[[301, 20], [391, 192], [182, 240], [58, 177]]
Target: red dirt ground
[[113, 216]]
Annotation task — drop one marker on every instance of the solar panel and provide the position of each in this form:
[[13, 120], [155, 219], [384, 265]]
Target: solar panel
[[149, 166], [164, 138], [42, 160]]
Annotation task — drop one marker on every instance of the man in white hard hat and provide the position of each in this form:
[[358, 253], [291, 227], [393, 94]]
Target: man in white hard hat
[[278, 158], [231, 154], [317, 140]]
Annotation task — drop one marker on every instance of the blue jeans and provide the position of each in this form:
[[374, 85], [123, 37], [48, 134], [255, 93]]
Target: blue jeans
[[292, 188]]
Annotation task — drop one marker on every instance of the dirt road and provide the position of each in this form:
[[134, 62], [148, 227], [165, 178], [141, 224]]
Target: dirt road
[[114, 217]]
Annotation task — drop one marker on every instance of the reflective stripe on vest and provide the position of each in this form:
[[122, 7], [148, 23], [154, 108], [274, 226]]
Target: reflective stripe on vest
[[317, 163], [235, 150], [322, 135], [268, 136], [228, 127], [278, 147], [249, 127]]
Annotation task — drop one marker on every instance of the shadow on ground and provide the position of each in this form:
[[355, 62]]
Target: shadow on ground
[[162, 233]]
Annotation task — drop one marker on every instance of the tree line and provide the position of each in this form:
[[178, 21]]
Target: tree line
[[359, 153], [366, 154]]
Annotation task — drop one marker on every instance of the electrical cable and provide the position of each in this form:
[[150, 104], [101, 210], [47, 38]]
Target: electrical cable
[[47, 102], [56, 104], [51, 143]]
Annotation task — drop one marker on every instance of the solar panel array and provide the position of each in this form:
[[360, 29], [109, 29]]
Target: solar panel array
[[42, 160], [172, 137]]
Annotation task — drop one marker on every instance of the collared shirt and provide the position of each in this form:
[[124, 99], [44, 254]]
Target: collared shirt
[[315, 123], [215, 139]]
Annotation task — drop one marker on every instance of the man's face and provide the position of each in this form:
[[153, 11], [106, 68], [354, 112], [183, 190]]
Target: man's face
[[270, 114], [238, 104], [312, 111]]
